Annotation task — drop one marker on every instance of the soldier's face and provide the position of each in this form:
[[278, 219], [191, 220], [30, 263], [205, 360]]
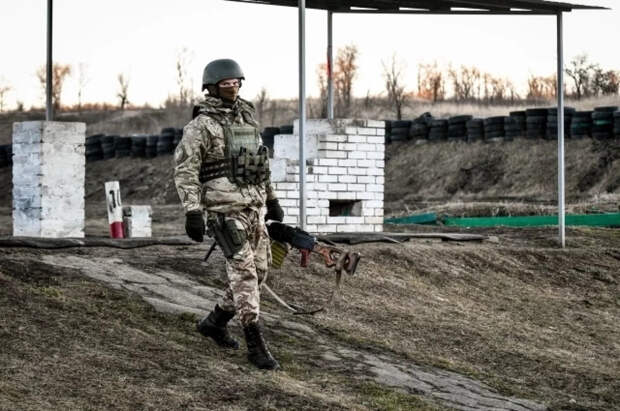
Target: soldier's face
[[228, 89]]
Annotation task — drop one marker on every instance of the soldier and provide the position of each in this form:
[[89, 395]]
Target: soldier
[[222, 175]]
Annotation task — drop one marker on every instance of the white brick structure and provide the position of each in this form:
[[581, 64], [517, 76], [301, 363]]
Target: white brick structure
[[137, 221], [48, 179], [344, 175]]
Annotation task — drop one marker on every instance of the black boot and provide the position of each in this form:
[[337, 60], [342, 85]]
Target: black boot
[[214, 326], [258, 353]]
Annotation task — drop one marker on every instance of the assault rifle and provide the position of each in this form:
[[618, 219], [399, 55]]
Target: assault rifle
[[340, 260]]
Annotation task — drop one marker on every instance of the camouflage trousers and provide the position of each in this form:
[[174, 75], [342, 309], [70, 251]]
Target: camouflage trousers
[[247, 269]]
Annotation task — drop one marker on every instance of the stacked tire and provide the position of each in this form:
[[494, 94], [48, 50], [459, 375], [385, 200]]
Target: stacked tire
[[92, 148], [457, 127], [536, 122], [512, 128], [178, 136], [518, 118], [475, 130], [494, 127], [617, 124], [150, 149], [438, 130], [581, 124], [552, 122], [122, 147], [287, 129], [138, 146], [420, 127], [268, 136], [165, 141], [388, 131], [107, 146], [603, 122], [4, 155], [400, 130]]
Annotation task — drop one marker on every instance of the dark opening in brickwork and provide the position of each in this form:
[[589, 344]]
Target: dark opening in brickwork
[[349, 208]]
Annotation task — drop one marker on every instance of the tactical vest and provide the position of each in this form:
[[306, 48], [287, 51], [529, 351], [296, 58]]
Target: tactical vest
[[246, 162]]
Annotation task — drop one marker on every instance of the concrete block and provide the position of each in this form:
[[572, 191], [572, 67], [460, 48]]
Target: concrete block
[[373, 204], [48, 179], [378, 228], [367, 131], [326, 228], [280, 193], [356, 139], [347, 163], [319, 170], [375, 140], [337, 171], [286, 186], [380, 163], [356, 155], [332, 154], [375, 155], [365, 163], [366, 147], [373, 220], [346, 195], [368, 212], [381, 131], [288, 202], [346, 228], [292, 194], [328, 146], [137, 221], [356, 187], [334, 138], [347, 146], [311, 228], [313, 211], [357, 171], [366, 179], [287, 146], [350, 130], [328, 178], [326, 162], [291, 211], [347, 179], [354, 220], [379, 212], [336, 220], [337, 187], [374, 188], [290, 219], [316, 219], [364, 195], [374, 171], [380, 180]]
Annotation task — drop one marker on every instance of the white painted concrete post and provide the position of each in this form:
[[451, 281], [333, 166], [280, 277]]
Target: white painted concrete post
[[115, 208], [137, 221], [48, 179]]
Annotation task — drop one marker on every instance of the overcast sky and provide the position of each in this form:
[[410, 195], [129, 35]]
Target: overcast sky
[[142, 39]]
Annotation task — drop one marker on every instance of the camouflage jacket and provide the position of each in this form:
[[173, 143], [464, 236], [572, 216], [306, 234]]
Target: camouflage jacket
[[203, 140]]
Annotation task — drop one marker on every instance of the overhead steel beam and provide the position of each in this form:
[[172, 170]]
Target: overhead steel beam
[[330, 67], [560, 117], [302, 113], [49, 108]]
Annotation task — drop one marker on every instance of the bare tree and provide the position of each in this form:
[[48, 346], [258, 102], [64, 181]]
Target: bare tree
[[580, 70], [394, 86], [83, 80], [4, 88], [604, 82], [464, 82], [123, 88], [344, 76], [541, 87], [184, 59], [260, 102], [321, 77], [60, 72], [431, 82]]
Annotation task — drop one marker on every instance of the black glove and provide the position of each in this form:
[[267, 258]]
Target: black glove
[[195, 225], [274, 211]]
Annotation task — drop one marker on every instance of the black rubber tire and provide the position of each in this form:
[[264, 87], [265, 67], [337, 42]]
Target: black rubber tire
[[460, 119], [617, 114], [494, 120], [536, 112], [582, 114], [494, 134], [439, 123], [601, 136], [605, 109], [287, 129], [519, 113], [401, 124], [474, 122]]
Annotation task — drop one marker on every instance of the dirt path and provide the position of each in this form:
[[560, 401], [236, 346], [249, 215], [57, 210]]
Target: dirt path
[[172, 292]]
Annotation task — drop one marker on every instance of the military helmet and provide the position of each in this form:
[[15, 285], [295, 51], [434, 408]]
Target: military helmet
[[221, 69]]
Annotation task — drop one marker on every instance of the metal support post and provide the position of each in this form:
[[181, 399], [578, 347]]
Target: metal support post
[[302, 113], [49, 110], [560, 116], [330, 65]]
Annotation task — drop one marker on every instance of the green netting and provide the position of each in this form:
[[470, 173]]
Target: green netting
[[594, 220], [430, 218]]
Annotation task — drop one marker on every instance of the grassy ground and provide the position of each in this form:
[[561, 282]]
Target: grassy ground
[[529, 319]]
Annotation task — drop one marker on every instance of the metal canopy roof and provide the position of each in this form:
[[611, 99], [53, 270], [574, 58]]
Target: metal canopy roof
[[536, 7]]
